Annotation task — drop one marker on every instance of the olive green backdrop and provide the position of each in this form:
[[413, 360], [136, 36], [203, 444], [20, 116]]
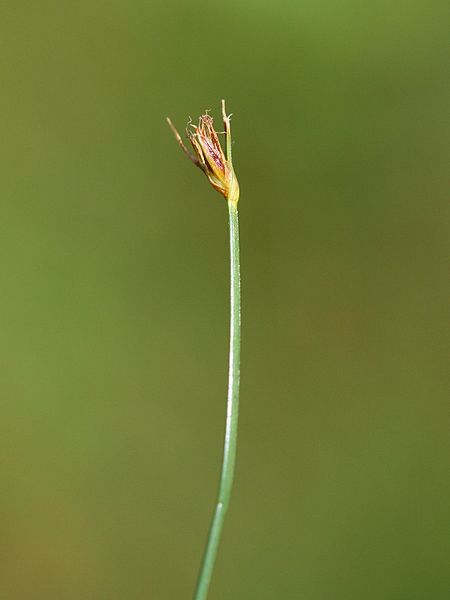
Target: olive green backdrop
[[114, 300]]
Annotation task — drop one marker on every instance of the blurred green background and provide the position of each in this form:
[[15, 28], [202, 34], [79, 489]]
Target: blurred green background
[[114, 300]]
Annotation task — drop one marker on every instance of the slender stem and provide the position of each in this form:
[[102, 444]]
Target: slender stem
[[229, 454]]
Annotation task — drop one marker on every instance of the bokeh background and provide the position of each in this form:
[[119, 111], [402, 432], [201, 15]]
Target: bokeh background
[[114, 299]]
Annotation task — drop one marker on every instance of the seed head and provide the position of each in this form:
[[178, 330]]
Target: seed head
[[209, 155]]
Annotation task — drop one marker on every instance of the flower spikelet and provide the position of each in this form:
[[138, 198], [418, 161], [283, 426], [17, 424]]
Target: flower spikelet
[[209, 155]]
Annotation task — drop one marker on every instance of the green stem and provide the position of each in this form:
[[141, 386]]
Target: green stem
[[229, 453]]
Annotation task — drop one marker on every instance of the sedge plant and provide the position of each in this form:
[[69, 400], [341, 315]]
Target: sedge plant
[[217, 165]]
